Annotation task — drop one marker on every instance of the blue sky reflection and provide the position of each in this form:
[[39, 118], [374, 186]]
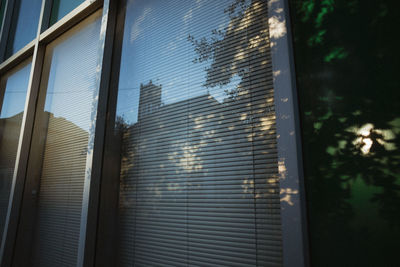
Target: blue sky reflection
[[156, 48]]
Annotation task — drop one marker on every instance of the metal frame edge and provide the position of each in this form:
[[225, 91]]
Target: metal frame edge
[[291, 177]]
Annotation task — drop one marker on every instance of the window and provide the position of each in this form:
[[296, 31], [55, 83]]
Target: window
[[2, 8], [151, 134], [198, 179], [62, 7], [13, 87], [24, 24], [347, 66], [64, 129]]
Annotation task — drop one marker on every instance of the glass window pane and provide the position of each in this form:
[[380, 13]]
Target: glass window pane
[[13, 87], [198, 181], [347, 66], [65, 126], [2, 9], [61, 8], [24, 24]]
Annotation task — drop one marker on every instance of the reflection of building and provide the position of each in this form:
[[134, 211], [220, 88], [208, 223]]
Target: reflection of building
[[195, 172], [150, 99], [199, 177], [63, 162], [9, 135]]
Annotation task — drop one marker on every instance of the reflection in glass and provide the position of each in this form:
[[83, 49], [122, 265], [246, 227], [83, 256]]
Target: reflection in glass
[[60, 8], [198, 182], [24, 24], [63, 126], [2, 9], [13, 88], [347, 66]]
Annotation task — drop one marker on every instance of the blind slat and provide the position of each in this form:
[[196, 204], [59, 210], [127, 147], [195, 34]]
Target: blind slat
[[199, 170]]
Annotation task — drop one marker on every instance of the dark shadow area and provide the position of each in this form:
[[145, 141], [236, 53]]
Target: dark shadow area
[[347, 64]]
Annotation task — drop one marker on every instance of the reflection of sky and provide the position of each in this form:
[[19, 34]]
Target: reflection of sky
[[156, 48], [72, 80], [15, 92], [61, 8], [26, 24]]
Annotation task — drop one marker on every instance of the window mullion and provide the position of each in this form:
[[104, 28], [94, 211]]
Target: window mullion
[[5, 28], [291, 180], [18, 183], [87, 243]]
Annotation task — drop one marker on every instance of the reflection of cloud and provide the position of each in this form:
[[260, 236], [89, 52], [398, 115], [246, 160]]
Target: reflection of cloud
[[172, 46], [222, 26], [189, 14], [136, 29]]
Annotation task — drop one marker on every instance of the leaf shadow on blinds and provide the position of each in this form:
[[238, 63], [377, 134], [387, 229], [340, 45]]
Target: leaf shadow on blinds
[[199, 174]]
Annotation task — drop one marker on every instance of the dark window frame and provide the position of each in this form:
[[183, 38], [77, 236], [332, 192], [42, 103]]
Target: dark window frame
[[13, 243], [103, 198]]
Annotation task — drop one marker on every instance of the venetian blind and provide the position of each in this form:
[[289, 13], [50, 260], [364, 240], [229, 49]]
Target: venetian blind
[[69, 98], [13, 88], [199, 161]]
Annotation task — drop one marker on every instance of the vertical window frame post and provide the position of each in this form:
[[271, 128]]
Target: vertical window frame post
[[290, 164]]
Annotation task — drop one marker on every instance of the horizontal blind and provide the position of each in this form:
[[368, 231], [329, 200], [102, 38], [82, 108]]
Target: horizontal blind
[[69, 93], [199, 160], [13, 88]]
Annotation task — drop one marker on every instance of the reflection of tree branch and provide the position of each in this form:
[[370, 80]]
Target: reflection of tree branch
[[239, 50], [348, 87]]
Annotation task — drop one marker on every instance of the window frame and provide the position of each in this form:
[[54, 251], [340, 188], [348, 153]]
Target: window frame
[[290, 155], [100, 223], [13, 244]]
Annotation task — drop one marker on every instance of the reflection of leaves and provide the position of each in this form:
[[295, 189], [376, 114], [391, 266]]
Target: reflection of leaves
[[202, 48], [205, 150], [120, 130], [237, 8], [240, 50], [315, 12], [336, 53], [121, 124], [347, 64]]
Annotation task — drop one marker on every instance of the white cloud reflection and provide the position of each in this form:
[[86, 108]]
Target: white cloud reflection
[[136, 27]]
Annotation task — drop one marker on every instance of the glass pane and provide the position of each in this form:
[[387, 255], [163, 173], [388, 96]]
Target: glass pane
[[64, 127], [61, 8], [13, 87], [24, 24], [347, 64], [198, 181], [2, 9]]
